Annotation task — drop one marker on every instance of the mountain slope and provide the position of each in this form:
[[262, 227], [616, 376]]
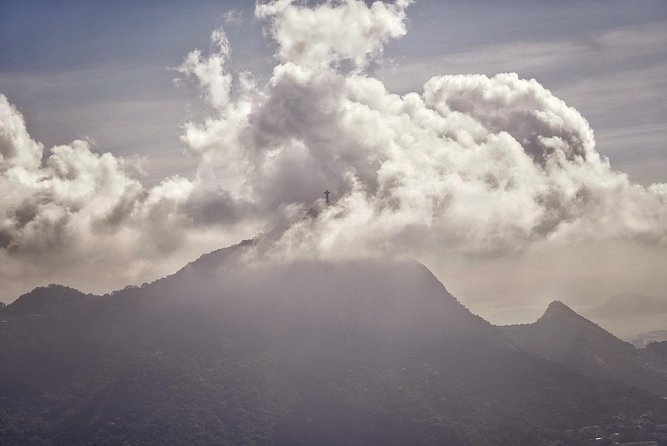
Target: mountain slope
[[563, 336], [224, 352]]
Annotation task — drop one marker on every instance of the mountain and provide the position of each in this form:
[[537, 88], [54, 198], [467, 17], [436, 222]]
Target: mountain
[[659, 348], [563, 336], [227, 351], [629, 315], [642, 340]]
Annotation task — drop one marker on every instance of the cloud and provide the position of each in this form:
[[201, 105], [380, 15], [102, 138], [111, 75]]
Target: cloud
[[311, 36], [616, 78], [481, 166], [83, 216], [233, 18], [211, 74], [17, 148]]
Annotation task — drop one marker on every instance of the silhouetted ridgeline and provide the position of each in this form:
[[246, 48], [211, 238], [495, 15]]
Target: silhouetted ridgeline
[[356, 352], [563, 336]]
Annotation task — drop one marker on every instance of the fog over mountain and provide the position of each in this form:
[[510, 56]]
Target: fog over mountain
[[471, 168]]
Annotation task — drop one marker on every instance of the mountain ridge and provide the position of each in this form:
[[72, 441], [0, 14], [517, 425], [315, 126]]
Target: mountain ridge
[[307, 352], [568, 338]]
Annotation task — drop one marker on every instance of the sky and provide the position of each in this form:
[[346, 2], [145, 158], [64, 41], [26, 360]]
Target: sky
[[202, 154]]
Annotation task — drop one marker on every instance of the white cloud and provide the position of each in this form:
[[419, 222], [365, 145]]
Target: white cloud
[[472, 165], [17, 148], [616, 78], [79, 210], [332, 32], [233, 17], [211, 73]]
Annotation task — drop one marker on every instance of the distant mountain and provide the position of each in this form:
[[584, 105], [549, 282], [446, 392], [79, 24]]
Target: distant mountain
[[643, 339], [629, 315], [565, 337], [623, 306], [302, 353]]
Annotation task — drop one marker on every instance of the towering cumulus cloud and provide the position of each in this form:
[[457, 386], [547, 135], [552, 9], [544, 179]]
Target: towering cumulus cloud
[[480, 166]]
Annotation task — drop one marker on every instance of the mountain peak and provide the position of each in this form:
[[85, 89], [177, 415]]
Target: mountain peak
[[563, 336], [557, 304], [43, 297], [558, 309], [560, 315], [570, 323]]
